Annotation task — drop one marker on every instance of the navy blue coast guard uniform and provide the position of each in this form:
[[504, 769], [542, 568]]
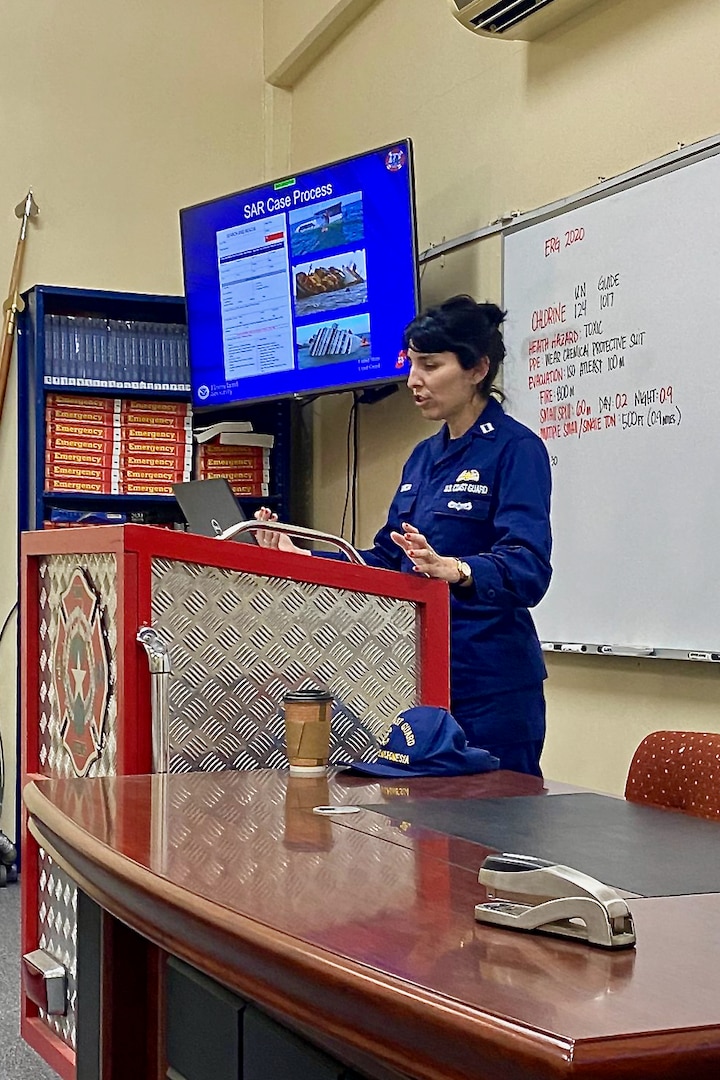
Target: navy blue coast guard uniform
[[485, 498]]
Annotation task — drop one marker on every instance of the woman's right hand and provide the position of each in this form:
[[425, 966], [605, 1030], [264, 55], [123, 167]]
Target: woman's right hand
[[268, 538]]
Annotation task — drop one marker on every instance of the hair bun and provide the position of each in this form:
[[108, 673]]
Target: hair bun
[[488, 313], [461, 326], [494, 315]]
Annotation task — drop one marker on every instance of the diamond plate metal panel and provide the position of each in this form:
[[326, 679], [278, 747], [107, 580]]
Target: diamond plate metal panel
[[239, 642], [57, 895], [57, 925]]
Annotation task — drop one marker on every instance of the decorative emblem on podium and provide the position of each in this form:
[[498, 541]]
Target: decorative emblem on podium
[[81, 672]]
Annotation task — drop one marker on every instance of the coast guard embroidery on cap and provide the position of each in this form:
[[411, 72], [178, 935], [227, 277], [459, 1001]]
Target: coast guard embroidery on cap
[[468, 474], [486, 428], [402, 725]]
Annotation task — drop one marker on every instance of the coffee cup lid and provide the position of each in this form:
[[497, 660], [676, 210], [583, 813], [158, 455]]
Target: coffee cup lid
[[300, 696]]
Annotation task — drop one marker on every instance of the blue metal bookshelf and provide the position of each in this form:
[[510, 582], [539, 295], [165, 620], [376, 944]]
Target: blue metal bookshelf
[[99, 343]]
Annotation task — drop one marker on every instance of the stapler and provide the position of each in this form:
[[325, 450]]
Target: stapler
[[531, 894]]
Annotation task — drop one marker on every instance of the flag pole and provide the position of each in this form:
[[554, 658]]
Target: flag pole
[[14, 303]]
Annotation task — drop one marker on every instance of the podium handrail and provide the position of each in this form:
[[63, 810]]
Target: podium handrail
[[300, 531]]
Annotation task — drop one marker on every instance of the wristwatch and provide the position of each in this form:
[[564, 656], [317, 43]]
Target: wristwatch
[[464, 571]]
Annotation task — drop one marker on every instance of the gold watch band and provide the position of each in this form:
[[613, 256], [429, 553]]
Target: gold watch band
[[464, 572]]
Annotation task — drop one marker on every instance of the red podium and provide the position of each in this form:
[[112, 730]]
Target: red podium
[[235, 627]]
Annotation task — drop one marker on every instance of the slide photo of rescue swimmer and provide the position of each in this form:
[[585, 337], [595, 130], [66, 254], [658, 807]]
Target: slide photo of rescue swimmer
[[330, 224], [334, 341], [332, 283]]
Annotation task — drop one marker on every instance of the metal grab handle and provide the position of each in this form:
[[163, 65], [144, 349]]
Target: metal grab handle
[[160, 671], [300, 531]]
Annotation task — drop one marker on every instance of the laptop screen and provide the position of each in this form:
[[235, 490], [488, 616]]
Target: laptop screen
[[210, 507]]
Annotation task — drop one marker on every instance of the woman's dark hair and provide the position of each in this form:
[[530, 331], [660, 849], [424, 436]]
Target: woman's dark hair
[[466, 328]]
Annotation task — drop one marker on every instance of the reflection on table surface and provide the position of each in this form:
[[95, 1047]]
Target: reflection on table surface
[[396, 898]]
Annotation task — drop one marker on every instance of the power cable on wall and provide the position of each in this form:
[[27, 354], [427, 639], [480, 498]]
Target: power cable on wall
[[370, 396], [8, 853], [3, 628], [354, 484], [351, 474]]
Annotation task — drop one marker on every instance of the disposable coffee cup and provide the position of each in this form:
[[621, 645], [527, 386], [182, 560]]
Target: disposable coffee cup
[[307, 731]]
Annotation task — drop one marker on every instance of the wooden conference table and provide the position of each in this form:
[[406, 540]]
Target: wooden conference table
[[356, 934]]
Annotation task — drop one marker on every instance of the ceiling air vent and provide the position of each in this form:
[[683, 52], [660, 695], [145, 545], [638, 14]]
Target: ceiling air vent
[[513, 19]]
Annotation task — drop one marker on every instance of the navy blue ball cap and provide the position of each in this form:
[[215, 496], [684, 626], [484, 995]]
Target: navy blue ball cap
[[426, 741]]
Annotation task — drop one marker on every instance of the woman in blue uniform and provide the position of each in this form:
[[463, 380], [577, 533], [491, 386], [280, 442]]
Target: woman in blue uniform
[[473, 509]]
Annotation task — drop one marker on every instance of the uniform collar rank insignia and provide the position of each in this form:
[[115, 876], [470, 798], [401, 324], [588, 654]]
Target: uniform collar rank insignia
[[487, 428]]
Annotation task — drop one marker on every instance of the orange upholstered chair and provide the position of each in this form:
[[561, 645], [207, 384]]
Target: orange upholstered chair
[[679, 770]]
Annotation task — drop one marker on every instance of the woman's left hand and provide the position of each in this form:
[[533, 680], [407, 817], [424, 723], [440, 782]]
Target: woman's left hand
[[268, 538], [424, 558]]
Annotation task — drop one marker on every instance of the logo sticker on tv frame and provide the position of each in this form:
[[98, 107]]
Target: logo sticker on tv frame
[[395, 159]]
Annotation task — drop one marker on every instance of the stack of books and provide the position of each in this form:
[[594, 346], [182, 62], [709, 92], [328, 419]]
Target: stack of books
[[64, 518], [116, 446], [96, 352], [232, 450]]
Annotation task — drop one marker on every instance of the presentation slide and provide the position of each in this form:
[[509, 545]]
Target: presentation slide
[[255, 298], [303, 285]]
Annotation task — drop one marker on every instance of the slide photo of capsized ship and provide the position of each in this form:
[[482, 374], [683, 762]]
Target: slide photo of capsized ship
[[321, 219], [334, 341], [327, 225], [330, 284]]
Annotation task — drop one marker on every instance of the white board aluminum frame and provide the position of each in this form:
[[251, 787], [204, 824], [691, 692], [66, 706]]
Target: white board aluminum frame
[[512, 222]]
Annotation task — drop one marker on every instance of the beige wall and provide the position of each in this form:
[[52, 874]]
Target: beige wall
[[502, 126], [297, 34], [117, 114]]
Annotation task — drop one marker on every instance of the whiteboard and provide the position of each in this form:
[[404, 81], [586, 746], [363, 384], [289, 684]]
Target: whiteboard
[[613, 357]]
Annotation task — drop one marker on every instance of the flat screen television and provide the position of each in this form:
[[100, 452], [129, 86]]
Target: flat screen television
[[303, 285]]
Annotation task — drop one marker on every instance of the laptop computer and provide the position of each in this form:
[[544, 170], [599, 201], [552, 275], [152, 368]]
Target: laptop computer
[[210, 507]]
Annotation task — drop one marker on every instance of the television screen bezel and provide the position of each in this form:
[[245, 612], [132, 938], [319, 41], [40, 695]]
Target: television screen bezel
[[340, 387]]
